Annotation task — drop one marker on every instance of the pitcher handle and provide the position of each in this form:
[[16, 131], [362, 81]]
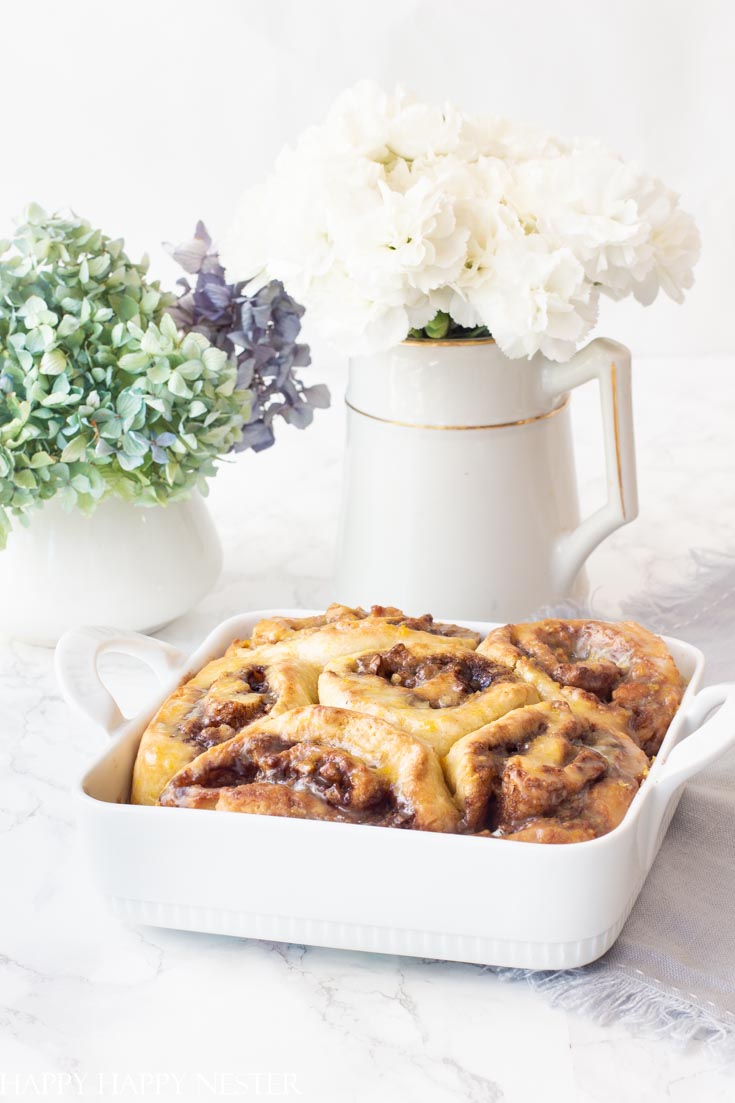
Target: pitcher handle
[[608, 363]]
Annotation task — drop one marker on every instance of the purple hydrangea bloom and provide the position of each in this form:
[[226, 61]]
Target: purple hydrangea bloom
[[258, 332]]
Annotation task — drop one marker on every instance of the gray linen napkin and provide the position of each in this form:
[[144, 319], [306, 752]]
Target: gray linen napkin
[[672, 970]]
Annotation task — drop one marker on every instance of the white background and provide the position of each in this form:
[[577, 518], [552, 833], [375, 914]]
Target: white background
[[148, 114]]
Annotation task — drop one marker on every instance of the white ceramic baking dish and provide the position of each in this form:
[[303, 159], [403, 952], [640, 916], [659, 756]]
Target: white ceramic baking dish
[[362, 887]]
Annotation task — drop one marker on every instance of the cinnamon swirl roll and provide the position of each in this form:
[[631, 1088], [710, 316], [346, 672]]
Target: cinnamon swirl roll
[[225, 696], [433, 689], [320, 763], [543, 774], [618, 674], [349, 633], [277, 629]]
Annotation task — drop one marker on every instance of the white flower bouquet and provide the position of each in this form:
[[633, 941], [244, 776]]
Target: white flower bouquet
[[394, 218]]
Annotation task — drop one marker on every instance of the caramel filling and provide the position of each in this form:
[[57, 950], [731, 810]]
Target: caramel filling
[[217, 719], [336, 778], [448, 679], [566, 654], [553, 784]]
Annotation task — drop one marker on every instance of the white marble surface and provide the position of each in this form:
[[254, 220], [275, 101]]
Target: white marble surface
[[91, 1008]]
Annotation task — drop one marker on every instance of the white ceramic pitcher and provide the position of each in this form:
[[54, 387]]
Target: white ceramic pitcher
[[460, 491]]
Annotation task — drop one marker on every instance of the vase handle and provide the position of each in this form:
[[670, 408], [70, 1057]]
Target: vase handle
[[608, 363]]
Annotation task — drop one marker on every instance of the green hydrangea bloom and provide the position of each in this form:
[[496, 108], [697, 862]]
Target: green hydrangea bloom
[[100, 393]]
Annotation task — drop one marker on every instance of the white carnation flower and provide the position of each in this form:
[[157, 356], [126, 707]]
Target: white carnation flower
[[674, 245], [383, 126], [408, 239], [392, 210], [587, 201], [536, 300], [511, 140]]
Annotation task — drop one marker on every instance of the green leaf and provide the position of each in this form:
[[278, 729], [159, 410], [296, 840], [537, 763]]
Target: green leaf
[[214, 359], [156, 404], [111, 428], [24, 358], [149, 301], [81, 484], [34, 214], [25, 479], [68, 324], [98, 265], [225, 389], [53, 362], [102, 449], [67, 498], [36, 341], [61, 385], [41, 459], [134, 361], [190, 369], [97, 484], [177, 386], [75, 449], [128, 462], [159, 371], [438, 327], [124, 306], [135, 444], [128, 404], [151, 341], [168, 327]]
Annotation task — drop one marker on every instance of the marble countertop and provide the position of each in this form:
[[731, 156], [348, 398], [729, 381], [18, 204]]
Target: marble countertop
[[90, 1008]]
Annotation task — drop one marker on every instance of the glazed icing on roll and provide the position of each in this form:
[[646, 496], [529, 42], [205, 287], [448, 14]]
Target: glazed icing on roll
[[321, 763], [543, 774], [434, 689], [619, 673]]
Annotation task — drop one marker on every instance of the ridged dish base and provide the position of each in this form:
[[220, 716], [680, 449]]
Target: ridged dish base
[[371, 939]]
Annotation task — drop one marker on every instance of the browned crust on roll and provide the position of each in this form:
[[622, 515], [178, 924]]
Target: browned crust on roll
[[226, 696], [619, 673], [358, 768], [434, 689], [278, 629], [540, 769]]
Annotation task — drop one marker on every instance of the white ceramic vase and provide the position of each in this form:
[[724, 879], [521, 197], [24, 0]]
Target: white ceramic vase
[[129, 566], [460, 490]]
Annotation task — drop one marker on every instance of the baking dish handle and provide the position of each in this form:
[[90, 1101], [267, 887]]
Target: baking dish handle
[[709, 740], [77, 658]]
